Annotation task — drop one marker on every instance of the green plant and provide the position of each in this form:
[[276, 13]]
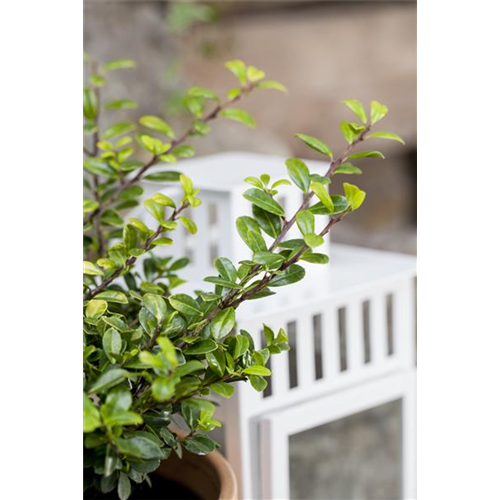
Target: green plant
[[150, 354]]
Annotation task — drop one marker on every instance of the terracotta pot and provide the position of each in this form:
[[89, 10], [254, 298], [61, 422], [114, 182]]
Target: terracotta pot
[[210, 477]]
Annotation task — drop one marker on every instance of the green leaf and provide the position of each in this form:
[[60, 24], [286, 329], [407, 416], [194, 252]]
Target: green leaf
[[189, 367], [292, 274], [271, 84], [157, 124], [347, 132], [268, 259], [305, 221], [339, 203], [89, 205], [164, 200], [240, 345], [96, 308], [316, 144], [315, 258], [386, 135], [91, 269], [347, 168], [262, 371], [203, 92], [111, 342], [199, 445], [223, 389], [377, 111], [98, 167], [109, 379], [354, 195], [155, 209], [185, 305], [131, 193], [269, 223], [123, 418], [245, 226], [238, 115], [226, 269], [164, 176], [258, 383], [163, 388], [156, 305], [222, 282], [124, 487], [313, 240], [140, 447], [117, 129], [122, 104], [357, 108], [217, 361], [238, 68], [113, 296], [91, 417], [366, 154], [201, 347], [299, 173], [89, 104], [263, 200], [195, 105], [223, 323], [118, 64], [254, 74], [188, 224], [184, 151], [322, 193], [256, 242]]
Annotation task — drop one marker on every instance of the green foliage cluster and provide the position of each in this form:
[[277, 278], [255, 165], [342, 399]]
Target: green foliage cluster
[[153, 357]]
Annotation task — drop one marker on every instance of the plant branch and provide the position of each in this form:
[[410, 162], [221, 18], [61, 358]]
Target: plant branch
[[175, 143], [131, 260]]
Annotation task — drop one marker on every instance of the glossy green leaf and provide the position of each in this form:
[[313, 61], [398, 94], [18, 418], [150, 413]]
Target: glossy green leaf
[[357, 108], [185, 305], [268, 222], [347, 168], [109, 379], [354, 195], [292, 274], [263, 200], [111, 342], [238, 115], [223, 389], [217, 280], [322, 193], [199, 445], [315, 258], [366, 154], [299, 173], [377, 111], [226, 269], [217, 361], [113, 296], [258, 383], [91, 417], [316, 144], [155, 209], [305, 221], [223, 323], [157, 124], [156, 305], [92, 269], [201, 347], [239, 69], [386, 135], [313, 240], [164, 200], [96, 308], [188, 224], [268, 259], [262, 371], [184, 151]]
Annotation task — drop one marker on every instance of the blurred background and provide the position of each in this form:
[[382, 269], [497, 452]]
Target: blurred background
[[323, 52]]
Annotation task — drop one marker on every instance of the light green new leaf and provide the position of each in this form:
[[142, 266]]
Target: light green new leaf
[[223, 389], [357, 108], [262, 371], [354, 195], [347, 132], [91, 269], [377, 111], [254, 74], [347, 168], [156, 123], [184, 151], [164, 200], [271, 84], [238, 115], [96, 308], [118, 64], [367, 154], [117, 129], [155, 209], [188, 224], [195, 105], [322, 193], [223, 323], [185, 304], [386, 135], [163, 388], [122, 104], [263, 200], [91, 417], [89, 103], [203, 92], [313, 240], [156, 305], [315, 258], [299, 173], [316, 144], [238, 69], [113, 296], [258, 383]]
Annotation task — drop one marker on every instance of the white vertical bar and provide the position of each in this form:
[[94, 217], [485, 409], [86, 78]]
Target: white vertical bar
[[378, 327], [305, 349], [409, 439], [330, 341], [403, 322], [354, 335]]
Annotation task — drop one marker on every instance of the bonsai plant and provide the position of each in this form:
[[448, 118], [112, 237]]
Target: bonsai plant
[[153, 357]]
